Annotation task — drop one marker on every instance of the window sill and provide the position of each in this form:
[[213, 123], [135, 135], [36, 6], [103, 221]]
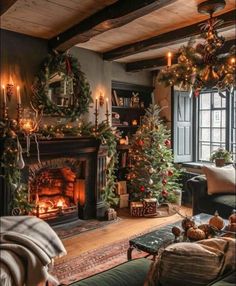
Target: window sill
[[196, 165]]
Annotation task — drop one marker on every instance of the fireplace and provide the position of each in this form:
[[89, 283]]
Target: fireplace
[[66, 184]]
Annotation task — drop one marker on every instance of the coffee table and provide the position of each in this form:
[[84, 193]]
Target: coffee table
[[151, 242]]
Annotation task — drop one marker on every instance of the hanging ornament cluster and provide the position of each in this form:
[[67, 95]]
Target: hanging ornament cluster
[[203, 66]]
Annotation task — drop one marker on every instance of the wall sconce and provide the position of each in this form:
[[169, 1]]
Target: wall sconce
[[101, 99]]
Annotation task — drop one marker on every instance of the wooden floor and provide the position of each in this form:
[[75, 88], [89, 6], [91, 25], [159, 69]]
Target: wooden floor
[[125, 228]]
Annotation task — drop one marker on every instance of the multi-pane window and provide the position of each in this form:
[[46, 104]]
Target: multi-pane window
[[214, 123]]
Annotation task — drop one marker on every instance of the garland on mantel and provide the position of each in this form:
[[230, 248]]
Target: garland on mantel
[[11, 158]]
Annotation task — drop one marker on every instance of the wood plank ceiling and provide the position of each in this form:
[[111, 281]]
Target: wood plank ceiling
[[125, 31]]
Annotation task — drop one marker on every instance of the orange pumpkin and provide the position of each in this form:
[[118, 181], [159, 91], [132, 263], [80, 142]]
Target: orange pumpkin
[[232, 217], [195, 233], [216, 221]]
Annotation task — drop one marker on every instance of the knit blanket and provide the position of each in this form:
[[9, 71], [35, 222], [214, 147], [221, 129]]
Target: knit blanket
[[28, 246]]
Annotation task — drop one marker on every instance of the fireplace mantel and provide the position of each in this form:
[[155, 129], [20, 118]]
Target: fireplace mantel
[[83, 148]]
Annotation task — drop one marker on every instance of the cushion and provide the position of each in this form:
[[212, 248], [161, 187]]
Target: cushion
[[131, 273], [220, 180], [193, 264]]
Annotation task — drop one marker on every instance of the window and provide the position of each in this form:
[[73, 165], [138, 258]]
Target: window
[[212, 125]]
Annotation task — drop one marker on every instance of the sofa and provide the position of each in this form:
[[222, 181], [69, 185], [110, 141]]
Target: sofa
[[134, 273], [204, 203]]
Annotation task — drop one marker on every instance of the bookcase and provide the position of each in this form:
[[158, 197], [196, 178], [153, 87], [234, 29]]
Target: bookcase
[[129, 102]]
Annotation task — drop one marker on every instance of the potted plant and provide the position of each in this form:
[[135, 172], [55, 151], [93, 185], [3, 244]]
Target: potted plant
[[220, 157]]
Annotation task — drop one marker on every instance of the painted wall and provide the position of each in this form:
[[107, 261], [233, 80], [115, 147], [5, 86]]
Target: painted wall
[[101, 73], [21, 57]]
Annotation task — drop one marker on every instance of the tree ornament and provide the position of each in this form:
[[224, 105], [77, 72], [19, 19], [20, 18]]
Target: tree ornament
[[167, 142], [140, 142], [164, 193], [151, 170], [176, 231], [216, 221], [195, 234], [164, 181], [150, 182], [170, 173], [142, 189]]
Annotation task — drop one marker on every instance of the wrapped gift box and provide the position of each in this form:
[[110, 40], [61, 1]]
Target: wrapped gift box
[[150, 207], [124, 201], [121, 188], [136, 209]]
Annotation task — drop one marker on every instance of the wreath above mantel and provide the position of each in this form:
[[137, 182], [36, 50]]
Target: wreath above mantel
[[61, 88]]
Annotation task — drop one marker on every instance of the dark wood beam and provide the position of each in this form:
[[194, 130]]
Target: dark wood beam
[[173, 37], [157, 63], [113, 16], [5, 5]]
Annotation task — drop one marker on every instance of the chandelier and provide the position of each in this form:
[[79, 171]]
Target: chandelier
[[202, 66]]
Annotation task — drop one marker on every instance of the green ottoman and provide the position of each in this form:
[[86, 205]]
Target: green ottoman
[[131, 273]]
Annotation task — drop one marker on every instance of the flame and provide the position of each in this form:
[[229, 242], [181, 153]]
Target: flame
[[60, 203]]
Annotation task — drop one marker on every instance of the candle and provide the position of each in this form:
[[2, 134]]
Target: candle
[[107, 105], [232, 61], [4, 95], [96, 104], [169, 55], [18, 94]]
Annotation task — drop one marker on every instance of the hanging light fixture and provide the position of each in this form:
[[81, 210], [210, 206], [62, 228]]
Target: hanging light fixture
[[203, 67]]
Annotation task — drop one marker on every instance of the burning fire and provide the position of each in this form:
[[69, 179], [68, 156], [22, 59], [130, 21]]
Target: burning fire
[[61, 203]]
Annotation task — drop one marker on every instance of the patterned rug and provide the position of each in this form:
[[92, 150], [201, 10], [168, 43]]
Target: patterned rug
[[79, 226], [95, 261]]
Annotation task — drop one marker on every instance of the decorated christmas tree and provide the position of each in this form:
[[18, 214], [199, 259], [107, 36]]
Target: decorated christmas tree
[[152, 172]]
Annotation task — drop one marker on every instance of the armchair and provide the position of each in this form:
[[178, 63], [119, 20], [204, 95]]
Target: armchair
[[202, 202]]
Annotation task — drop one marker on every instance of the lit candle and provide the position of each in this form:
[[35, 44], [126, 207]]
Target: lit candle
[[107, 105], [18, 94], [96, 104], [4, 94], [232, 61], [169, 55]]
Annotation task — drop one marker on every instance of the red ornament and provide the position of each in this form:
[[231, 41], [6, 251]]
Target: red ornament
[[197, 92], [140, 142], [164, 181], [170, 173], [167, 143], [164, 193], [142, 189]]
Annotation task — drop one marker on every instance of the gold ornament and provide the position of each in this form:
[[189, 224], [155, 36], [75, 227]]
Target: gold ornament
[[216, 221], [195, 233]]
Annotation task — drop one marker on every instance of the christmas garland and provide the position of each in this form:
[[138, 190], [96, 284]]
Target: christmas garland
[[11, 153], [68, 67]]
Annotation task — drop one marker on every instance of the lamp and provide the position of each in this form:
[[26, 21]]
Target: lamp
[[202, 66]]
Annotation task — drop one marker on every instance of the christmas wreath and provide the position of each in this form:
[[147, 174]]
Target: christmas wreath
[[66, 67]]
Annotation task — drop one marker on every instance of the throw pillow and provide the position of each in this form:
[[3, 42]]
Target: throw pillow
[[220, 180], [192, 264]]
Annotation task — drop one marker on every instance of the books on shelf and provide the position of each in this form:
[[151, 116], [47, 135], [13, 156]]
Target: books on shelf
[[115, 99]]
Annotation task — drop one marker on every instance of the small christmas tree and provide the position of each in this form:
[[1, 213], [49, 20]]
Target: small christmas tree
[[152, 172]]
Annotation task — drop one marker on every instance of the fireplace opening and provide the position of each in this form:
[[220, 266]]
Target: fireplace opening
[[57, 188]]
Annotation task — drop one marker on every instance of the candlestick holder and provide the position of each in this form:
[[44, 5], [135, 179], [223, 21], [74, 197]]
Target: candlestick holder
[[4, 112], [107, 117], [96, 119], [19, 113]]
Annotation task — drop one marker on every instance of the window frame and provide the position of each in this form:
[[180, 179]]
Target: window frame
[[229, 122]]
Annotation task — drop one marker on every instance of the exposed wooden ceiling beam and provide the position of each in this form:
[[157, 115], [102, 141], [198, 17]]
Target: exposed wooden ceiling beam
[[5, 5], [113, 16], [156, 63], [173, 37]]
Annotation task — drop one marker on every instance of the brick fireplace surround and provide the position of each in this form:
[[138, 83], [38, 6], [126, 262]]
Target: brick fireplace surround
[[88, 155]]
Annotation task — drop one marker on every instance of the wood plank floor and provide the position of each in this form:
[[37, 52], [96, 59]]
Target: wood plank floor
[[128, 226]]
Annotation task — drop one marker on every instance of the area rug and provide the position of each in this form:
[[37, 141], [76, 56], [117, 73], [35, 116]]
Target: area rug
[[79, 226], [95, 261]]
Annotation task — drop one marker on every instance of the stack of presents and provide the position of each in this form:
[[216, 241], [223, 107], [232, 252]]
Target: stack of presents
[[146, 208]]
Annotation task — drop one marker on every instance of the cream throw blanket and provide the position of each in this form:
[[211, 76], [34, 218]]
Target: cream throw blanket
[[27, 248]]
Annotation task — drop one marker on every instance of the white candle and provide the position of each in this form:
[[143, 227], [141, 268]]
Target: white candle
[[4, 95], [169, 55], [18, 94]]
